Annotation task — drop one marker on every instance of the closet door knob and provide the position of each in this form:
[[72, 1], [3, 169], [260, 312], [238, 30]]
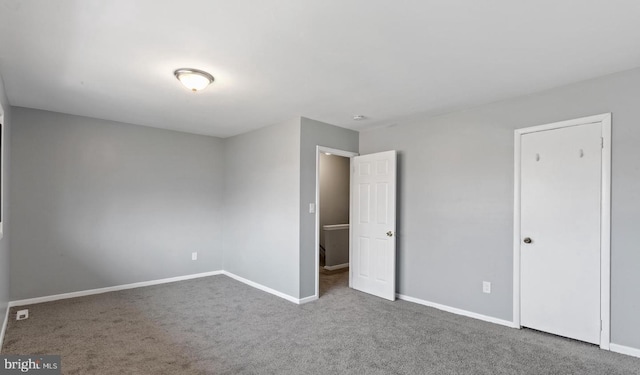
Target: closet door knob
[[527, 240], [390, 234]]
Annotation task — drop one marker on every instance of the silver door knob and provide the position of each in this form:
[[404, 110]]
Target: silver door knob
[[527, 240], [390, 234]]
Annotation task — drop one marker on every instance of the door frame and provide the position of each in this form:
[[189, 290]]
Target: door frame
[[346, 154], [605, 218]]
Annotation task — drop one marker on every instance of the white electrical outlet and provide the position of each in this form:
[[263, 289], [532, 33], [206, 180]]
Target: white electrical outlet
[[22, 314], [312, 208], [194, 255], [486, 287]]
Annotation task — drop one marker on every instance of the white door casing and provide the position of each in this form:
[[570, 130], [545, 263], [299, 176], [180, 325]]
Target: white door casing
[[561, 279], [373, 224]]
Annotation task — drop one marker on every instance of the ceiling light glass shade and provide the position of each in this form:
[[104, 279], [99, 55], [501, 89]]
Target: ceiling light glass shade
[[193, 79]]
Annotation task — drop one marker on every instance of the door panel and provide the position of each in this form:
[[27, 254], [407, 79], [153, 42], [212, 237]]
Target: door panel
[[373, 224], [363, 258], [560, 213]]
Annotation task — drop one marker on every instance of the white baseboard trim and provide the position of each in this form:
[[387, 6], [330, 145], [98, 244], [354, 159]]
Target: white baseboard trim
[[307, 299], [457, 311], [265, 288], [82, 293], [4, 327], [336, 267], [624, 350]]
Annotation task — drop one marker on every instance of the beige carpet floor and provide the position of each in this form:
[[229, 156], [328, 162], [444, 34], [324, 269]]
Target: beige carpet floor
[[216, 325]]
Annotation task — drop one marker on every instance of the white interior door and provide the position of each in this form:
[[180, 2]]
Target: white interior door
[[373, 224], [560, 231]]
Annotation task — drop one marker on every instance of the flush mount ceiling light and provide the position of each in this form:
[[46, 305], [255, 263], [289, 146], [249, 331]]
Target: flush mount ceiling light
[[193, 79]]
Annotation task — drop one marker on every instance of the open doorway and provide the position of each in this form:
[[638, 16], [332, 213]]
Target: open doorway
[[333, 173]]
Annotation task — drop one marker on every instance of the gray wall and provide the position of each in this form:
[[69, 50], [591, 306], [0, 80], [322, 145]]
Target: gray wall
[[4, 242], [334, 191], [105, 203], [101, 203], [315, 133], [456, 197], [262, 195]]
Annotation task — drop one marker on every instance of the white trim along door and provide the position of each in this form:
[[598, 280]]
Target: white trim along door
[[373, 224], [561, 239]]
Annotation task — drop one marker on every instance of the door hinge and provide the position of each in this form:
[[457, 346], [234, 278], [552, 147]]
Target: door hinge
[[602, 142]]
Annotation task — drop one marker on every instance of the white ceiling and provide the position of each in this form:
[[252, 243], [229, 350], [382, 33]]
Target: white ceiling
[[323, 59]]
